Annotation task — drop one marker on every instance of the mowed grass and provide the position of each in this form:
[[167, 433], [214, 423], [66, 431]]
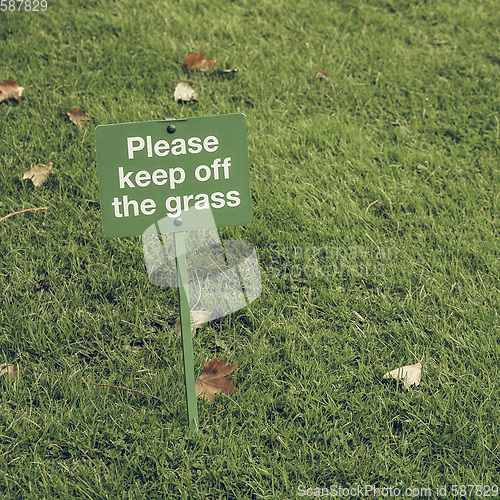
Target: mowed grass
[[375, 190]]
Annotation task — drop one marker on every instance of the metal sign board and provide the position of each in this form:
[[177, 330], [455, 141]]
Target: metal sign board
[[159, 170]]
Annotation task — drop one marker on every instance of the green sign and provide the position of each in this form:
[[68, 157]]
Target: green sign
[[173, 170]]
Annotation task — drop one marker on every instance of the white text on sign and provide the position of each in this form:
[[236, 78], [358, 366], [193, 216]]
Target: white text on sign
[[177, 146], [176, 175], [218, 170], [175, 204]]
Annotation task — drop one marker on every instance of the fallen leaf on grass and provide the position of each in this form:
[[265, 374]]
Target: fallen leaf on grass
[[410, 374], [198, 319], [321, 74], [9, 89], [197, 61], [212, 381], [77, 116], [184, 92], [10, 369], [39, 173]]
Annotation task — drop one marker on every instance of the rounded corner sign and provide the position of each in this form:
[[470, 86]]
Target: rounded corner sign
[[149, 171]]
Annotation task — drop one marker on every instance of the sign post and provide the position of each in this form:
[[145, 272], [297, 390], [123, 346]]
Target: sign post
[[175, 182], [187, 340]]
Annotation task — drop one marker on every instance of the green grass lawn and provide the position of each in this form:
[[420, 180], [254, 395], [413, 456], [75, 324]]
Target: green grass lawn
[[375, 190]]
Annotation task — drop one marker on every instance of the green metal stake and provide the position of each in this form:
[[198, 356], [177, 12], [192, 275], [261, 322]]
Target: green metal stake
[[186, 334]]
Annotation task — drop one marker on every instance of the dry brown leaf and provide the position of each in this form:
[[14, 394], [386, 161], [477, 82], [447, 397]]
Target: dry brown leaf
[[198, 319], [9, 89], [10, 369], [410, 374], [321, 74], [212, 381], [197, 61], [77, 116], [39, 173], [185, 92]]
